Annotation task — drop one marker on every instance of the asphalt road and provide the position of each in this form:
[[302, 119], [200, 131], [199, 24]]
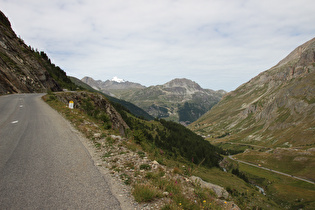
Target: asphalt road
[[271, 170], [43, 164]]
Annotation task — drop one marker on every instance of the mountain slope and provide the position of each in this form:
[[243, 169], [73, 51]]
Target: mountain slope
[[276, 108], [21, 69], [181, 100]]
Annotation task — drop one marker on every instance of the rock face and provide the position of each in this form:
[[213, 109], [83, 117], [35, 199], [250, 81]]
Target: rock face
[[276, 108], [21, 69], [181, 100]]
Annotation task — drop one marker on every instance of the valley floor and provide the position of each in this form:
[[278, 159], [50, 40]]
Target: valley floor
[[268, 169]]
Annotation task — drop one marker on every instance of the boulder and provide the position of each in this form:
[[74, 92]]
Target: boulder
[[218, 190]]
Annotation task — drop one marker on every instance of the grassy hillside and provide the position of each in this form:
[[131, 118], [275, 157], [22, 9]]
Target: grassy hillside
[[157, 158], [176, 140]]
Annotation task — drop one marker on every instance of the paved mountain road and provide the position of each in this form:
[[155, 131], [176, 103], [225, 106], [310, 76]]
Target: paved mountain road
[[43, 164]]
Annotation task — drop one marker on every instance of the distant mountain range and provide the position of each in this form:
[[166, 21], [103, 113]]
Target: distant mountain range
[[109, 86], [276, 108], [181, 100], [137, 111]]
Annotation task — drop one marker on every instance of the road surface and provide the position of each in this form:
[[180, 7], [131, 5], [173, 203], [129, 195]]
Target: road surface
[[43, 164], [268, 169]]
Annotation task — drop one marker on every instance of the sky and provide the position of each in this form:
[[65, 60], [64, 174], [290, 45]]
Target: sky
[[220, 44]]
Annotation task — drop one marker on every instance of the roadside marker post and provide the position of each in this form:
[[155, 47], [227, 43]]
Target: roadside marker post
[[71, 104]]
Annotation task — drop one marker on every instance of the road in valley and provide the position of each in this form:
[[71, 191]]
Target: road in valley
[[43, 163], [271, 170]]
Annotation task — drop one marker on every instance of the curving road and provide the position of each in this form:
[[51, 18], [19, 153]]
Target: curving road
[[271, 170], [43, 164]]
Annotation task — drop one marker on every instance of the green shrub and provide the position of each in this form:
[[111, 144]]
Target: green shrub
[[97, 145], [176, 170], [145, 193], [130, 165], [145, 167], [127, 179], [110, 140], [131, 146], [141, 154], [52, 98], [138, 136], [150, 175]]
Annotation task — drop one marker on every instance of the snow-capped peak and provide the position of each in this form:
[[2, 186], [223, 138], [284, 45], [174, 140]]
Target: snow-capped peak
[[116, 79]]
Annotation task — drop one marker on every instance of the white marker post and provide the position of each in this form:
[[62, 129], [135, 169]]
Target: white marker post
[[71, 104]]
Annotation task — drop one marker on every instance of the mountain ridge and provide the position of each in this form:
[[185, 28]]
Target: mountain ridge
[[180, 99], [107, 85]]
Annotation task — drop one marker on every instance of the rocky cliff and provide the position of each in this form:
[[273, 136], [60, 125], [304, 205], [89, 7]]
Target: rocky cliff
[[21, 68], [276, 108]]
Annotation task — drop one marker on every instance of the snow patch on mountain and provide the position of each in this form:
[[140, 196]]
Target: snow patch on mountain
[[116, 79]]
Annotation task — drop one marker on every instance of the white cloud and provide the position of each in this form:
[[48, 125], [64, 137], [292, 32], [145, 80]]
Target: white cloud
[[218, 43]]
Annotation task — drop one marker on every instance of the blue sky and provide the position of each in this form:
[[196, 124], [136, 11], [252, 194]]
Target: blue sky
[[219, 44]]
